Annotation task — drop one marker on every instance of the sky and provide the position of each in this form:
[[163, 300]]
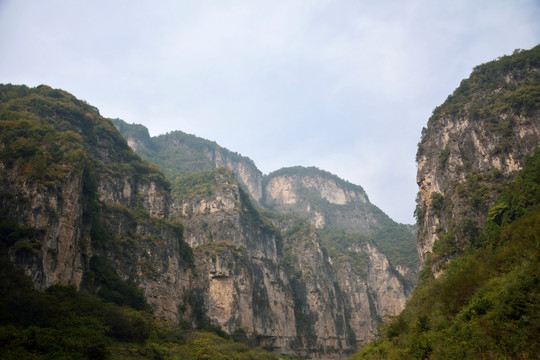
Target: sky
[[342, 85]]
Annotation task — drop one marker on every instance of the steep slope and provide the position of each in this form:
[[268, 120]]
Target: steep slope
[[240, 283], [487, 305], [283, 290], [474, 143], [483, 301], [79, 208], [326, 200], [340, 289], [314, 194], [99, 214], [343, 292], [178, 153]]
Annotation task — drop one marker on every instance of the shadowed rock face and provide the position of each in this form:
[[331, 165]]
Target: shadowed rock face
[[88, 197], [474, 144]]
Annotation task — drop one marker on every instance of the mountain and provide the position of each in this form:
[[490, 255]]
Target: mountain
[[328, 201], [475, 143], [375, 256], [87, 224], [478, 218], [178, 153], [321, 197], [80, 211]]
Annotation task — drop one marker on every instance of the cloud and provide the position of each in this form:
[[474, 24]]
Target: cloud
[[343, 85]]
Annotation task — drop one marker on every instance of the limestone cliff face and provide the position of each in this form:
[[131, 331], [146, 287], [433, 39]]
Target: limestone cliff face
[[58, 258], [338, 302], [326, 200], [126, 190], [245, 172], [474, 143], [137, 136], [323, 319], [89, 199], [387, 288], [322, 197], [368, 297], [285, 293], [241, 284], [197, 248]]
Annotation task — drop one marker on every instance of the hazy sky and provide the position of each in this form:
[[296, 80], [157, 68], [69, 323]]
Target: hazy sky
[[342, 85]]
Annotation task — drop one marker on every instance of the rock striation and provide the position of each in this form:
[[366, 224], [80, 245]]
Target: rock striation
[[319, 196], [240, 283]]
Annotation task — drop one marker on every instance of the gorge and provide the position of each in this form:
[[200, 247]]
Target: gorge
[[172, 243]]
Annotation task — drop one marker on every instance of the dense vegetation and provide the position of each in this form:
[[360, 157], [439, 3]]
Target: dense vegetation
[[62, 323], [396, 241], [48, 133], [487, 304], [176, 152], [491, 90], [201, 185]]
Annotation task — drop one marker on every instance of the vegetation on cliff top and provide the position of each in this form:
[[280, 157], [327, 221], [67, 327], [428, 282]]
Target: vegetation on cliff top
[[487, 304], [496, 93], [201, 185], [492, 90], [396, 241], [178, 153], [473, 145], [46, 132]]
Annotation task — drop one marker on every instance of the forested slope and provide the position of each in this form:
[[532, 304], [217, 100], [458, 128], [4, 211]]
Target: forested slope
[[487, 304]]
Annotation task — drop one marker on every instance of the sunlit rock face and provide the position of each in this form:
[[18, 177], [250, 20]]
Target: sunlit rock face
[[245, 279], [240, 282], [283, 291], [321, 197]]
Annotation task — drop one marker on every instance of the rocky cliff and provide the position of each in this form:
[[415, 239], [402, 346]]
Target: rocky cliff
[[178, 153], [274, 281], [339, 309], [87, 211], [319, 196], [478, 229], [99, 212], [474, 144], [326, 200], [240, 283]]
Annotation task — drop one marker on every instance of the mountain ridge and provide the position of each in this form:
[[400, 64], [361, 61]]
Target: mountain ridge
[[196, 249], [322, 197]]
